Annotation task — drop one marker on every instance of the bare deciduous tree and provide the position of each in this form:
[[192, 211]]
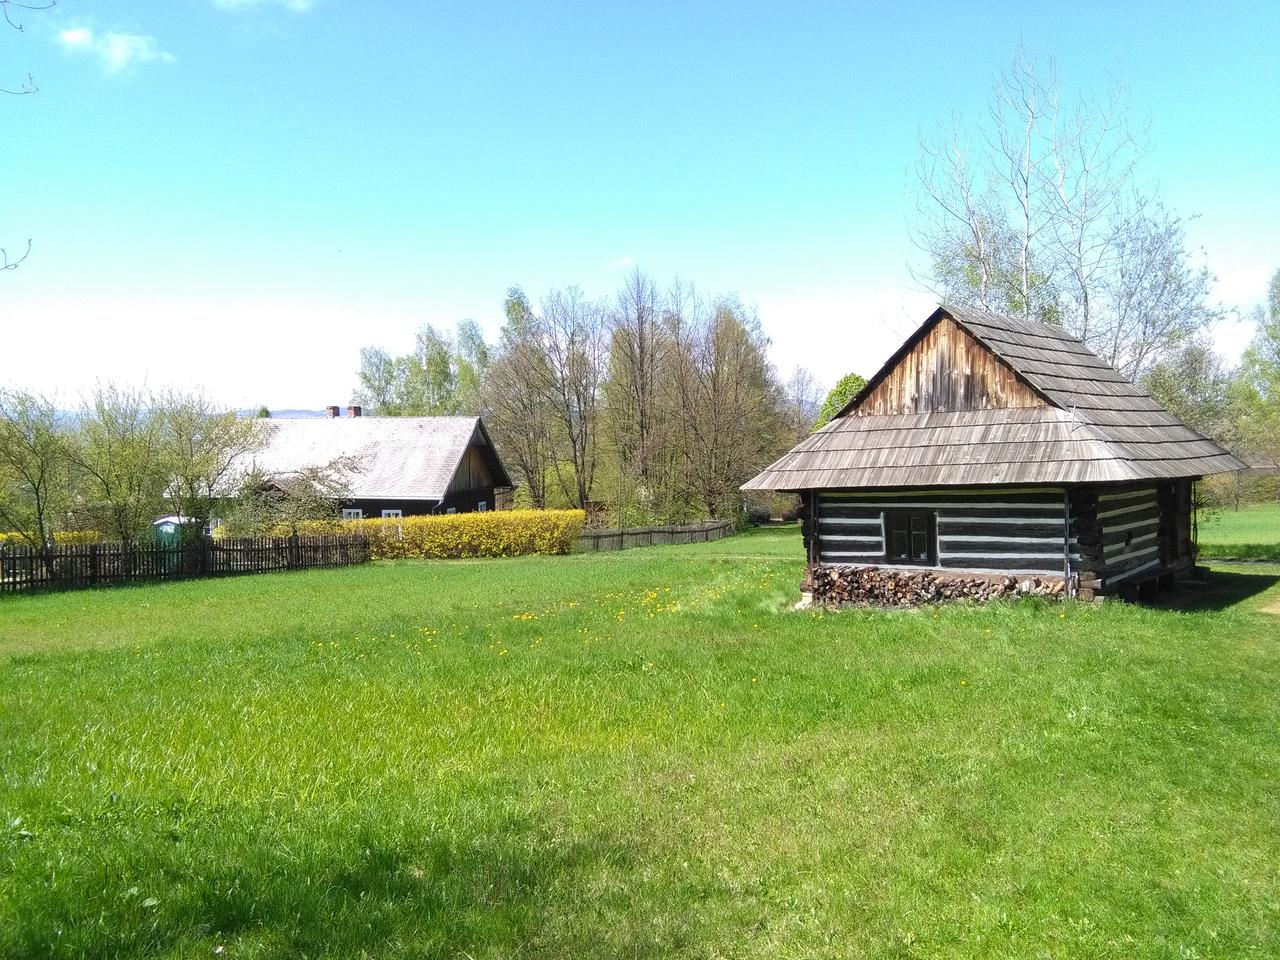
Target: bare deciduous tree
[[802, 400], [572, 340], [732, 423], [636, 359], [1033, 212], [7, 8], [519, 414]]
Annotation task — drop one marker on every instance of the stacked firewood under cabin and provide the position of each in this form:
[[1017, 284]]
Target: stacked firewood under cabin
[[869, 586]]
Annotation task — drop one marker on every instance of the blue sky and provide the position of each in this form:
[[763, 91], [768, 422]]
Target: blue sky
[[241, 194]]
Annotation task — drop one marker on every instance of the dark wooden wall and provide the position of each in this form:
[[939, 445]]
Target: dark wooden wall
[[948, 370], [463, 501], [1016, 529], [1131, 533], [473, 473]]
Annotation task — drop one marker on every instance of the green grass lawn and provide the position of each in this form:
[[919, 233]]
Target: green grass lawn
[[637, 754], [1250, 533]]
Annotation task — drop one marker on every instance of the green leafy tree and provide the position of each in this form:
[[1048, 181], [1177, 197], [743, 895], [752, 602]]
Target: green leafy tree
[[35, 479], [1255, 395], [268, 501], [846, 388], [119, 454], [203, 448], [1193, 384], [442, 377]]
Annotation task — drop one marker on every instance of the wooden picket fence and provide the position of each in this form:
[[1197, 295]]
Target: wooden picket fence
[[591, 540], [69, 567]]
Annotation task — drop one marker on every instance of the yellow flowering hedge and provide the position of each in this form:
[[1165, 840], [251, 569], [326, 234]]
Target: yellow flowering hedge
[[62, 538], [496, 533]]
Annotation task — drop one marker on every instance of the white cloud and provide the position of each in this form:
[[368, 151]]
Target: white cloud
[[77, 38], [627, 261], [295, 6], [115, 51]]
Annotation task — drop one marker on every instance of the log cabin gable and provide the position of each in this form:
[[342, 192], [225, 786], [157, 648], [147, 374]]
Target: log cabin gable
[[944, 368]]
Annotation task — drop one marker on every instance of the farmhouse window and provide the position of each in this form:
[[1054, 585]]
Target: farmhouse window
[[909, 537], [482, 506], [352, 513], [389, 514]]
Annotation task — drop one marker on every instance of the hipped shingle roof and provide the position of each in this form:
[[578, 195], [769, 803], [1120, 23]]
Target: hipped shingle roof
[[1097, 427]]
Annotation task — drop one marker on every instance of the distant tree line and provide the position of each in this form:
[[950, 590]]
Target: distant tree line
[[655, 404]]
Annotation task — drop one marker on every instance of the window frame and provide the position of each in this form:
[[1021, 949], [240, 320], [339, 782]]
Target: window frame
[[352, 513], [392, 514], [930, 518]]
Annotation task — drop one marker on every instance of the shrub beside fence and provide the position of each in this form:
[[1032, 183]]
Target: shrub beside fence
[[72, 566], [593, 540], [495, 533]]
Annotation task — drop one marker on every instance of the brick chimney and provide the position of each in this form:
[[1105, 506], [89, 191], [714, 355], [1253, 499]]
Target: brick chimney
[[353, 411], [331, 411]]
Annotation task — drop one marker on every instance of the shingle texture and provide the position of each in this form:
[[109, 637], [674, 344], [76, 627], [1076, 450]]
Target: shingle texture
[[410, 458], [1098, 428]]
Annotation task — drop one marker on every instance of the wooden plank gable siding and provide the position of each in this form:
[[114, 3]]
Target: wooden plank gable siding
[[472, 474], [947, 370], [1006, 530]]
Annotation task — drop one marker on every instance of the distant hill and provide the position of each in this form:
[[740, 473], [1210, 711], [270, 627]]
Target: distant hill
[[283, 414]]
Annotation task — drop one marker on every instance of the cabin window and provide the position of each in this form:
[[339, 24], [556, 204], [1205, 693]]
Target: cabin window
[[352, 513], [389, 514], [482, 506], [909, 537], [452, 510]]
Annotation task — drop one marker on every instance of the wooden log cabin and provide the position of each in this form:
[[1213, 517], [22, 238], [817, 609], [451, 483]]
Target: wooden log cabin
[[993, 447]]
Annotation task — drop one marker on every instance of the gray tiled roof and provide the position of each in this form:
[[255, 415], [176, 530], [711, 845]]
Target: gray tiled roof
[[1098, 427], [409, 458]]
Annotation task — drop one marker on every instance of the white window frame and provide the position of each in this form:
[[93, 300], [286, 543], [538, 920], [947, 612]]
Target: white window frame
[[482, 506], [352, 513], [392, 514], [451, 510]]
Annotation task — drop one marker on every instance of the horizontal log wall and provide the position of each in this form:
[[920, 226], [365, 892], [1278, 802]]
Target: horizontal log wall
[[1130, 535], [1020, 530]]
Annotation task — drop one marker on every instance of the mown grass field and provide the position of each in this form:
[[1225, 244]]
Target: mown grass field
[[637, 754], [1250, 533]]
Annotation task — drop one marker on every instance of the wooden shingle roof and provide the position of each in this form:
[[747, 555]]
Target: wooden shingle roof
[[1094, 426]]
